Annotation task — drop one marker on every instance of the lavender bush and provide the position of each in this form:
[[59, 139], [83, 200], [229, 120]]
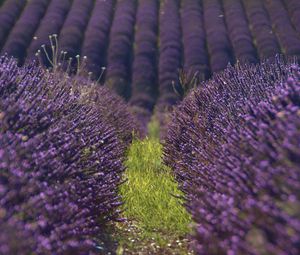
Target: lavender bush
[[218, 44], [119, 52], [293, 7], [253, 205], [51, 24], [23, 31], [72, 32], [144, 66], [239, 33], [9, 13], [169, 62], [130, 52], [195, 56], [261, 27], [233, 145], [62, 144], [97, 36], [287, 35]]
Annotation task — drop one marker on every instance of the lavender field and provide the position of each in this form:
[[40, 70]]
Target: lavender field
[[150, 127]]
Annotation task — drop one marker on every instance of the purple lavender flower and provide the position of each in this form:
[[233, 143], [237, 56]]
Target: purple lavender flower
[[23, 31], [239, 32], [261, 28], [170, 50], [97, 36], [144, 67], [62, 145], [234, 147], [288, 38], [119, 52], [10, 11], [293, 7], [218, 44], [51, 24], [72, 32], [193, 34]]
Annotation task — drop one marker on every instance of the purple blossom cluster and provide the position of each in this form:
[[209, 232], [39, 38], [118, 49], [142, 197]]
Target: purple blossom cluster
[[62, 143], [218, 44], [9, 13], [120, 47], [51, 24], [23, 31], [170, 50], [234, 148], [195, 57], [287, 35], [239, 33], [261, 27], [144, 67], [97, 36], [72, 32]]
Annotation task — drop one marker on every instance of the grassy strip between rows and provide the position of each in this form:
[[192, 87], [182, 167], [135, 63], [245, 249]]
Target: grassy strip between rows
[[157, 218]]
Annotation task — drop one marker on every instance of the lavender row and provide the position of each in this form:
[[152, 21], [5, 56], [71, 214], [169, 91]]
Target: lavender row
[[288, 38], [97, 36], [218, 104], [120, 47], [170, 50], [51, 24], [193, 35], [293, 7], [72, 32], [9, 14], [144, 67], [218, 44], [62, 145], [239, 33], [223, 96], [256, 178], [228, 192], [261, 27], [23, 31]]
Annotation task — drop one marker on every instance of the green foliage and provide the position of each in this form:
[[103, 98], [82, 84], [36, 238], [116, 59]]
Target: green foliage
[[154, 128], [149, 193]]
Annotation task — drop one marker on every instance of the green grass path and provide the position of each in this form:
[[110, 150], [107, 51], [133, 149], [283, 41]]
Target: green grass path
[[157, 222]]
